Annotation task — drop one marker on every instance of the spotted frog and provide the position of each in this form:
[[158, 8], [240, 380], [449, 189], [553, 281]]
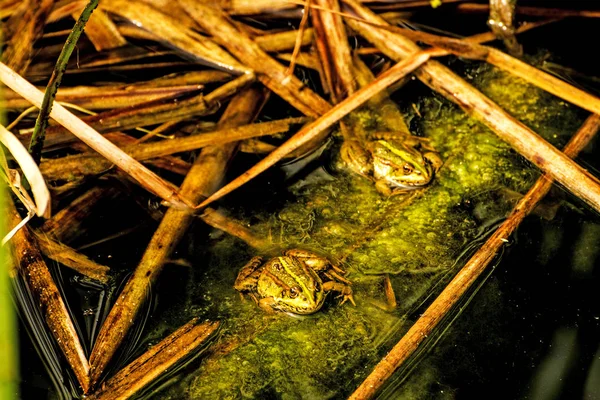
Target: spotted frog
[[395, 162], [296, 282]]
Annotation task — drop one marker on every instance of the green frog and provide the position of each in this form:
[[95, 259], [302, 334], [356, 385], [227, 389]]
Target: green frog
[[295, 283], [396, 162]]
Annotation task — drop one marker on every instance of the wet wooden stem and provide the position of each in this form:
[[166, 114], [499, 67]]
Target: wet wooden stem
[[34, 270], [468, 274]]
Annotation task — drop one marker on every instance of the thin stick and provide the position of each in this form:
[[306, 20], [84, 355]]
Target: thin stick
[[41, 123], [34, 270], [314, 129], [204, 177], [155, 362], [534, 11], [69, 257], [468, 274], [576, 179], [219, 221], [144, 176], [299, 38]]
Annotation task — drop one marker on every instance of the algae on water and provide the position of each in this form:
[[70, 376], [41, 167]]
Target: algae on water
[[342, 216]]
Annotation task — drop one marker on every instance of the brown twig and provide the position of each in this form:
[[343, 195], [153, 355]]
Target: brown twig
[[576, 179], [69, 257], [217, 220], [161, 358], [533, 11], [204, 177], [34, 271], [424, 326]]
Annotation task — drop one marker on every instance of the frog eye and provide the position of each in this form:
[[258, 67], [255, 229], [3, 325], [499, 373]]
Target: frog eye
[[294, 292], [407, 169]]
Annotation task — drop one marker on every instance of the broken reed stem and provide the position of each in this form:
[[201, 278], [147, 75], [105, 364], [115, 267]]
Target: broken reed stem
[[217, 220], [76, 166], [69, 257], [533, 11], [162, 357], [34, 271], [41, 123], [441, 79], [202, 180], [299, 37], [426, 323], [314, 129], [146, 178]]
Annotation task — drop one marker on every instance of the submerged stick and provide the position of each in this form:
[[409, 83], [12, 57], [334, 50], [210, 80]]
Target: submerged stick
[[468, 274], [41, 123], [217, 220], [397, 72], [35, 272], [204, 177], [69, 257], [157, 361], [438, 77]]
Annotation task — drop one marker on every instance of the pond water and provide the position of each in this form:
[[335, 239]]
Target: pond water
[[529, 329]]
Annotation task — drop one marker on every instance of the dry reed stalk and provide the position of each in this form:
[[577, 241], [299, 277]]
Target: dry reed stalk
[[271, 73], [22, 29], [501, 22], [334, 49], [533, 11], [283, 41], [141, 174], [177, 36], [426, 323], [69, 257], [155, 362], [102, 32], [76, 166], [66, 224], [469, 49], [219, 221], [105, 97], [441, 79], [203, 179], [314, 129], [34, 271]]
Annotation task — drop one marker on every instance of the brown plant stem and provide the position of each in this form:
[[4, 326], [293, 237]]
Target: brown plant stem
[[160, 358], [34, 271], [424, 326]]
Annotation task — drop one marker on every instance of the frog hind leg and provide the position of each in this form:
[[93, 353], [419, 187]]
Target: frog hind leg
[[248, 275], [434, 159], [344, 290]]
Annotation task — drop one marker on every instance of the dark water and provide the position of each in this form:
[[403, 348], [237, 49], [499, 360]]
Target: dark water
[[531, 330]]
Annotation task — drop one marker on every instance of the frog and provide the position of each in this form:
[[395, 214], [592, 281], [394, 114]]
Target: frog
[[296, 283], [395, 162]]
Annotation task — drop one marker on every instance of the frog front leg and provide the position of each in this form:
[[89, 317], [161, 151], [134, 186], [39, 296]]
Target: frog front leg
[[344, 290], [314, 261], [267, 304]]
